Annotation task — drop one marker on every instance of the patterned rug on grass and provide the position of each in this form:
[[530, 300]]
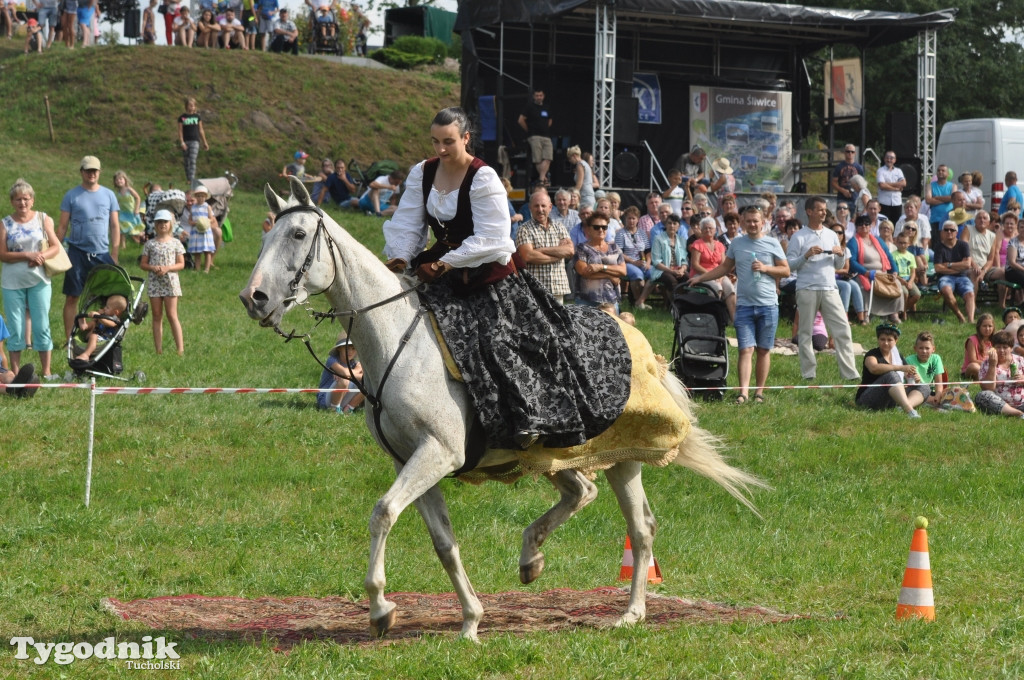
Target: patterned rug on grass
[[292, 620]]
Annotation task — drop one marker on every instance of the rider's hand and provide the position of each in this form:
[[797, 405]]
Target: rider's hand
[[431, 271], [397, 265]]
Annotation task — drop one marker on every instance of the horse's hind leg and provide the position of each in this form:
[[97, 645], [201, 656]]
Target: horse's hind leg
[[432, 507], [576, 493], [624, 478]]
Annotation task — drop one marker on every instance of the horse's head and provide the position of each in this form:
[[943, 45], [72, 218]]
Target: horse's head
[[296, 259]]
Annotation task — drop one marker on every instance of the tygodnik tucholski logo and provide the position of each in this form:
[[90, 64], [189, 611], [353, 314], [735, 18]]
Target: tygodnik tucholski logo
[[149, 654]]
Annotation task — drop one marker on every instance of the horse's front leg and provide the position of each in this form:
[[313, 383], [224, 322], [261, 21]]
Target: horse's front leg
[[624, 478], [576, 493], [432, 507], [424, 469]]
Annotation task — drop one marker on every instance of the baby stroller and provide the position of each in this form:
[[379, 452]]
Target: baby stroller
[[324, 37], [376, 169], [105, 361], [700, 351]]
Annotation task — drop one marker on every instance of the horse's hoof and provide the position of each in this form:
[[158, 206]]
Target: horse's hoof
[[380, 626], [629, 619], [529, 572]]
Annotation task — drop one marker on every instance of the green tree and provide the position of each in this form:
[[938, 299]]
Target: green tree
[[979, 62]]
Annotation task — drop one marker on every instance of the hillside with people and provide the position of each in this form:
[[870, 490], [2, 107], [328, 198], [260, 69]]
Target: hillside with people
[[258, 108]]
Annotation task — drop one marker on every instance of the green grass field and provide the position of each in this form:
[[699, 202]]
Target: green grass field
[[256, 496]]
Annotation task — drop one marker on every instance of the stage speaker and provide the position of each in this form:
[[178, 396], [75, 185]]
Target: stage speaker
[[629, 166], [627, 127], [911, 167], [901, 134], [561, 172], [132, 24]]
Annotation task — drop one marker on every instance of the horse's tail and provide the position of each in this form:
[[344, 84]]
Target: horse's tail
[[701, 451]]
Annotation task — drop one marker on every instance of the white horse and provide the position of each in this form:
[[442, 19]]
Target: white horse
[[426, 419]]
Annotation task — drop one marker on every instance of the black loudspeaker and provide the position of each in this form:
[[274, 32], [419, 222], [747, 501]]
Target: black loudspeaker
[[911, 167], [629, 166], [901, 135], [627, 115], [624, 71], [132, 24], [561, 173]]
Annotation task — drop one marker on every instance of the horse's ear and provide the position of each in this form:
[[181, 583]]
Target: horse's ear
[[274, 202], [299, 192]]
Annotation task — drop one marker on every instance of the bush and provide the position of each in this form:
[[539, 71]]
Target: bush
[[455, 49], [428, 47], [398, 59]]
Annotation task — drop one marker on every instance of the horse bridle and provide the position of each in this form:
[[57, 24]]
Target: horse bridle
[[351, 314]]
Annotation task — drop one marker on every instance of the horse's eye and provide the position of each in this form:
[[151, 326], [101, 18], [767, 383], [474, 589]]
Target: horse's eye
[[300, 234]]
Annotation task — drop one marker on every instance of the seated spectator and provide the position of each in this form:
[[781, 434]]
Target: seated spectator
[[297, 167], [843, 219], [1012, 322], [26, 373], [906, 269], [977, 346], [791, 226], [664, 210], [886, 233], [184, 28], [102, 324], [917, 225], [578, 233], [1002, 391], [343, 368], [604, 206], [320, 185], [981, 239], [787, 211], [868, 257], [929, 366], [636, 251], [562, 212], [1014, 270], [732, 228], [599, 265], [232, 33], [705, 254], [1006, 228], [884, 374], [286, 34], [952, 262], [207, 30], [862, 196], [726, 205], [575, 199], [668, 255], [382, 191], [850, 292]]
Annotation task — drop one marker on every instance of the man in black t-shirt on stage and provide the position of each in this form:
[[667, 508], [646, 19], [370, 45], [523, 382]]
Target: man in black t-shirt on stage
[[536, 121]]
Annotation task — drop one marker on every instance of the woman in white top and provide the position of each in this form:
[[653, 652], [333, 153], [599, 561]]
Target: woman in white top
[[27, 240], [860, 201], [532, 368], [583, 176], [982, 239]]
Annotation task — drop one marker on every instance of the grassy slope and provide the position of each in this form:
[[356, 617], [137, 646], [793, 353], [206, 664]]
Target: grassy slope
[[258, 496]]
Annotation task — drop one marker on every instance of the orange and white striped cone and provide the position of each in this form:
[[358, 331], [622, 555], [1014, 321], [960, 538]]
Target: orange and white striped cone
[[916, 598], [626, 572]]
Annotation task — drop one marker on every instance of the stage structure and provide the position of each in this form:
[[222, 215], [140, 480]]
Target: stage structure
[[621, 75]]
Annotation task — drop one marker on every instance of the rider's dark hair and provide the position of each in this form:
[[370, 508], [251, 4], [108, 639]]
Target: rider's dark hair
[[456, 115]]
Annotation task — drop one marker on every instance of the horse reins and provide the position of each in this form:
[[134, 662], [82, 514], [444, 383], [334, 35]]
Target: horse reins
[[351, 314]]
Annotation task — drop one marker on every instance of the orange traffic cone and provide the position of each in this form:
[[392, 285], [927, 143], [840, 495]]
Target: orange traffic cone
[[626, 572], [916, 600]]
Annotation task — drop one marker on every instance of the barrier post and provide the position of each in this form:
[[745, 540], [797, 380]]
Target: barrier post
[[92, 425]]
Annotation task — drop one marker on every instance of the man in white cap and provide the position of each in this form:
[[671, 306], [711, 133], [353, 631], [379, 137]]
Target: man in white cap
[[88, 218]]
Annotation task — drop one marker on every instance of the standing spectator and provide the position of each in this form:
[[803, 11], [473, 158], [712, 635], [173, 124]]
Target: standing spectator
[[759, 262], [286, 35], [232, 33], [89, 220], [48, 16], [862, 196], [201, 225], [583, 174], [696, 169], [952, 264], [536, 121], [184, 28], [170, 11], [843, 173], [814, 254], [190, 134], [149, 23], [891, 184], [544, 244], [676, 192], [267, 18], [939, 197], [250, 24], [1012, 193], [27, 239], [975, 199], [129, 214], [69, 23], [163, 257], [86, 12]]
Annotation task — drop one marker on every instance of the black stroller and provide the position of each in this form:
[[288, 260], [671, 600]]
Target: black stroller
[[104, 281], [700, 351]]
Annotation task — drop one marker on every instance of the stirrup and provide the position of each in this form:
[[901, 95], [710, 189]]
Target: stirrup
[[524, 439]]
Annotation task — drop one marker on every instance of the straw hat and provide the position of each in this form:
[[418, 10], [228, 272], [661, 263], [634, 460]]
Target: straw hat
[[959, 216], [722, 166]]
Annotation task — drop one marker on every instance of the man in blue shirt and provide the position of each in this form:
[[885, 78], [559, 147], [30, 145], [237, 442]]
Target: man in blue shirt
[[88, 217], [1012, 193]]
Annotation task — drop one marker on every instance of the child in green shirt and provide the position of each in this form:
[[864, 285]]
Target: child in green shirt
[[929, 366], [906, 267]]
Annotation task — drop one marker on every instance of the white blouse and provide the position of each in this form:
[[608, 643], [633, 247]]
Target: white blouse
[[406, 234]]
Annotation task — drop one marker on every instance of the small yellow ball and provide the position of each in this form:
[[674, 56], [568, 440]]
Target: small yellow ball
[[921, 522]]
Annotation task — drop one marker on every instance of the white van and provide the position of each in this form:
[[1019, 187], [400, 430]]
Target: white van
[[992, 146]]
